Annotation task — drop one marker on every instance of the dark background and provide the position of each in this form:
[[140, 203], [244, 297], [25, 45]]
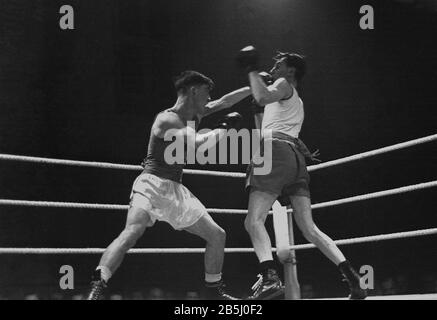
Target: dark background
[[91, 94]]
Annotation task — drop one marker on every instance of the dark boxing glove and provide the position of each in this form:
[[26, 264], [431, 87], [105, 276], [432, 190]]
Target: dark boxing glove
[[248, 58], [231, 120]]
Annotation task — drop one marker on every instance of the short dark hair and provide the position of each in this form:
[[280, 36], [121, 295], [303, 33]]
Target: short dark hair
[[293, 60], [191, 78]]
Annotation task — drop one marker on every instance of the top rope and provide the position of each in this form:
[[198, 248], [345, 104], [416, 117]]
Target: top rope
[[375, 152], [106, 165]]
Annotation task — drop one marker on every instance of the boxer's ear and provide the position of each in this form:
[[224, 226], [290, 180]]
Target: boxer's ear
[[291, 71], [193, 90]]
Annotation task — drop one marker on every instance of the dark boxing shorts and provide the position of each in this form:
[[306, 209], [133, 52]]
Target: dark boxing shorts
[[288, 175]]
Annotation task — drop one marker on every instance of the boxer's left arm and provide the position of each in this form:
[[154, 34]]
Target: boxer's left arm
[[227, 101], [263, 94]]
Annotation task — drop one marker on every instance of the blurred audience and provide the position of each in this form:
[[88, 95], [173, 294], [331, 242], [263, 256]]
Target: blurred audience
[[156, 294], [402, 284], [388, 287], [397, 284], [192, 295], [137, 295], [115, 297], [429, 283], [307, 291], [56, 296]]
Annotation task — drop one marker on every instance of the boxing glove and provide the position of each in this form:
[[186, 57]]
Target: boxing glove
[[248, 59], [231, 120]]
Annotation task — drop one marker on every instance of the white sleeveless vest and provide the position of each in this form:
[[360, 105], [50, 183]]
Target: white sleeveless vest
[[284, 116]]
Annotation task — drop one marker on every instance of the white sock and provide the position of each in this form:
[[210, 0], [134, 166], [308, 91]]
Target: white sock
[[105, 273], [211, 277]]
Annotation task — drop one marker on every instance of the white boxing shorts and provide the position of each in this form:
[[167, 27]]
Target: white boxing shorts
[[166, 200]]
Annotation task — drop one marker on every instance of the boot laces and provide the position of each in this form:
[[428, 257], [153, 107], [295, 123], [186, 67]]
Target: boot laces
[[97, 289], [258, 283]]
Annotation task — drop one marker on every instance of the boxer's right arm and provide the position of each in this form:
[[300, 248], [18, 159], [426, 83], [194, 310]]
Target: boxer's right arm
[[227, 101], [209, 139], [193, 140], [248, 59], [170, 128], [267, 94]]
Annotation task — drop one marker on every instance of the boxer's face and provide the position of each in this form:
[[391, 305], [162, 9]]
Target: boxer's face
[[201, 97], [280, 69]]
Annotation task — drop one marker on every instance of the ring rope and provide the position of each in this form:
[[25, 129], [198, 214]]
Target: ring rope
[[92, 164], [107, 165], [375, 238], [383, 237], [55, 204], [374, 195], [78, 205], [375, 152], [420, 296], [100, 250]]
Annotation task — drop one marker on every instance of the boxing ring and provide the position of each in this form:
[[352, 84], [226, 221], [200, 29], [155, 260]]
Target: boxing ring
[[282, 217]]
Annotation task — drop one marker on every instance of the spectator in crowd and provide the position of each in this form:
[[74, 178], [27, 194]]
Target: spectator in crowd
[[56, 296], [388, 287], [156, 294], [169, 295], [402, 284], [192, 295], [429, 283], [137, 295], [307, 291]]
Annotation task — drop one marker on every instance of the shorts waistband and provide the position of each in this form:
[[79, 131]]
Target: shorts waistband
[[295, 142], [284, 137]]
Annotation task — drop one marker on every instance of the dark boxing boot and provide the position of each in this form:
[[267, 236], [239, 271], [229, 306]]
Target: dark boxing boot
[[353, 280], [97, 287], [268, 286], [217, 291]]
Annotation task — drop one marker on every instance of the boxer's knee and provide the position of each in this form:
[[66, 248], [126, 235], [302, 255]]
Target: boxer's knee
[[252, 223], [310, 231], [248, 224], [218, 236], [130, 235]]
